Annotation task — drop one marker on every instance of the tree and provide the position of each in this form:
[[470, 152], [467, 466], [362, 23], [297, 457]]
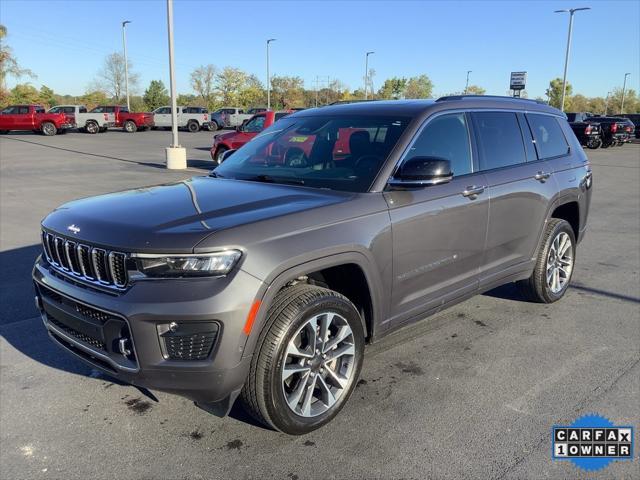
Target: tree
[[555, 93], [202, 82], [188, 100], [392, 88], [9, 66], [93, 98], [630, 101], [287, 92], [596, 105], [475, 90], [252, 93], [47, 97], [111, 77], [418, 87], [579, 103], [228, 84], [155, 95], [24, 93]]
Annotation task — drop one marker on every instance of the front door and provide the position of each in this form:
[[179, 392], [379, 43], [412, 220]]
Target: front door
[[162, 117], [520, 187], [438, 231]]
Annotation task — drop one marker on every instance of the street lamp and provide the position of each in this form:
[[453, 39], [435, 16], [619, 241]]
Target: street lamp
[[624, 87], [126, 67], [366, 72], [175, 154], [268, 77], [466, 86], [570, 11]]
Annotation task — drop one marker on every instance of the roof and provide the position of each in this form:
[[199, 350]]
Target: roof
[[418, 107]]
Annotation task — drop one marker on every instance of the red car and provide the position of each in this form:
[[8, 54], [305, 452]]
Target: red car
[[244, 133], [34, 117], [130, 121]]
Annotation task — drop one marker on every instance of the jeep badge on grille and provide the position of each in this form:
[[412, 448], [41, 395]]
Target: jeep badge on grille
[[73, 228]]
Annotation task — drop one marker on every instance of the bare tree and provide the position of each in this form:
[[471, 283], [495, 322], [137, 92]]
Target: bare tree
[[9, 66], [202, 82], [111, 77]]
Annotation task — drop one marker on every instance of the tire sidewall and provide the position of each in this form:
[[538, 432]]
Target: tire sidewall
[[130, 127], [92, 127], [550, 296], [279, 412], [193, 127], [49, 129]]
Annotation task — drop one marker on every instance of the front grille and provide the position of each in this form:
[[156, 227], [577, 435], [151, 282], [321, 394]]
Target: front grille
[[94, 342], [89, 263]]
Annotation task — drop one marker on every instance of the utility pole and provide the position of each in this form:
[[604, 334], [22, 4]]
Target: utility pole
[[176, 155], [126, 66], [570, 11], [268, 76], [317, 84], [606, 104], [624, 87], [366, 72], [466, 86]]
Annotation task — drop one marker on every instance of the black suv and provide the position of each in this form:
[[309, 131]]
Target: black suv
[[328, 231]]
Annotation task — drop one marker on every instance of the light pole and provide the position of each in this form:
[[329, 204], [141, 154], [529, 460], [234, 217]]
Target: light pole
[[570, 11], [176, 155], [466, 85], [268, 77], [606, 104], [366, 72], [624, 87], [126, 67]]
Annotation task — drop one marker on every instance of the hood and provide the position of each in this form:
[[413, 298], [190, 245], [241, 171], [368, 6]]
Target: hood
[[226, 136], [173, 218]]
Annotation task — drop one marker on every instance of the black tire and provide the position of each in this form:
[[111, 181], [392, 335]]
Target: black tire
[[219, 154], [193, 126], [92, 127], [536, 288], [48, 129], [263, 395], [130, 126], [593, 144], [214, 126]]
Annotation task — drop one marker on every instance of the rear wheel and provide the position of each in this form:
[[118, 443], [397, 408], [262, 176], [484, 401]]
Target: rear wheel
[[214, 126], [130, 126], [92, 127], [307, 360], [49, 129], [193, 127], [554, 267], [594, 143]]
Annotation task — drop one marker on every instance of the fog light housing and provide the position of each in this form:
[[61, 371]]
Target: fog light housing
[[187, 340]]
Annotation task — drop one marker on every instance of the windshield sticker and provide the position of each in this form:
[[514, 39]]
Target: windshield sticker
[[299, 139]]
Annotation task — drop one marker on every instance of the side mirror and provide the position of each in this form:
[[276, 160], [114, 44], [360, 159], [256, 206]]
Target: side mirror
[[227, 154], [423, 172]]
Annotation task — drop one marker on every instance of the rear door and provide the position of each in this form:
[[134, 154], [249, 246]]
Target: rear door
[[24, 120], [438, 231], [520, 187], [9, 116]]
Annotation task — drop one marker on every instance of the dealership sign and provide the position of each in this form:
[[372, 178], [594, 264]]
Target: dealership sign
[[518, 80]]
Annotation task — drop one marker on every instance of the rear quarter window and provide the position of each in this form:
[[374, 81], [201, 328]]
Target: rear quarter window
[[499, 139], [547, 133]]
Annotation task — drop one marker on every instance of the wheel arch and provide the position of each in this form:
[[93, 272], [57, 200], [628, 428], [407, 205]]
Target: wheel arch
[[569, 211], [348, 273]]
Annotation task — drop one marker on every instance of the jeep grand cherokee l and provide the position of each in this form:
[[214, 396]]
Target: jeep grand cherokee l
[[265, 279]]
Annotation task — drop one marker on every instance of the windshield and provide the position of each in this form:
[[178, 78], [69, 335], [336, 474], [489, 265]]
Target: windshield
[[337, 153]]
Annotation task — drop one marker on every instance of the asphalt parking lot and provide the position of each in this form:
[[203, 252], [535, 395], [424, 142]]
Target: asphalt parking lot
[[469, 393]]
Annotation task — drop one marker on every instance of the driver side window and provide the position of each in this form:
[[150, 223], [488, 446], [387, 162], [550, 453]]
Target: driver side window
[[446, 137], [255, 125]]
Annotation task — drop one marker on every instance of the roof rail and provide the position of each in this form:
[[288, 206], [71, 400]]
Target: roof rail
[[460, 97]]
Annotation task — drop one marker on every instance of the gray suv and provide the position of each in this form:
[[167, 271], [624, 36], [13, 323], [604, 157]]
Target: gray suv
[[329, 230]]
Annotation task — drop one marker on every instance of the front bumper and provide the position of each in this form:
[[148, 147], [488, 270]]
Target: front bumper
[[91, 324]]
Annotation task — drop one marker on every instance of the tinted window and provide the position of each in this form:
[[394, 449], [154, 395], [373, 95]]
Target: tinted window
[[256, 124], [98, 110], [279, 115], [445, 137], [83, 109], [23, 110], [37, 109], [122, 110], [548, 135], [499, 139], [9, 110]]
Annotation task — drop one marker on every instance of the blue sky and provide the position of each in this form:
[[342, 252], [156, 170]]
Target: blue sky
[[65, 42]]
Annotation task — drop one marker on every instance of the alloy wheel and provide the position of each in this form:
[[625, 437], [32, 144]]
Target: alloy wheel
[[559, 262], [319, 364]]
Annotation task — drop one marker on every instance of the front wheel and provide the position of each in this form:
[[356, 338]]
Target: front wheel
[[130, 126], [554, 267], [307, 360], [92, 127], [49, 129], [213, 126], [219, 154]]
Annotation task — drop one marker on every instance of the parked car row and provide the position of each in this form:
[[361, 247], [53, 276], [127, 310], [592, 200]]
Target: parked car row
[[61, 118], [595, 131]]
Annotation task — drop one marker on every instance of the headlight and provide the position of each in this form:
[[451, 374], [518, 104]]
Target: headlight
[[207, 264]]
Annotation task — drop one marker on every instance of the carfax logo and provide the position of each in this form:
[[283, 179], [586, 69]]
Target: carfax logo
[[592, 442]]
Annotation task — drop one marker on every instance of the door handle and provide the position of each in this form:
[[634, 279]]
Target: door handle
[[472, 191], [542, 176]]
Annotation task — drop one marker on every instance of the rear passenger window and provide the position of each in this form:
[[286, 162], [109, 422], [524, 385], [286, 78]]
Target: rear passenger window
[[445, 137], [548, 135], [499, 139]]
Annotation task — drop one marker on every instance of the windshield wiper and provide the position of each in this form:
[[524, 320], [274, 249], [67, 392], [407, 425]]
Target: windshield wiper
[[269, 179]]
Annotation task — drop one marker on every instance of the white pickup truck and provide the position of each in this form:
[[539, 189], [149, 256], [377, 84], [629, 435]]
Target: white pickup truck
[[234, 116], [191, 118], [89, 122]]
